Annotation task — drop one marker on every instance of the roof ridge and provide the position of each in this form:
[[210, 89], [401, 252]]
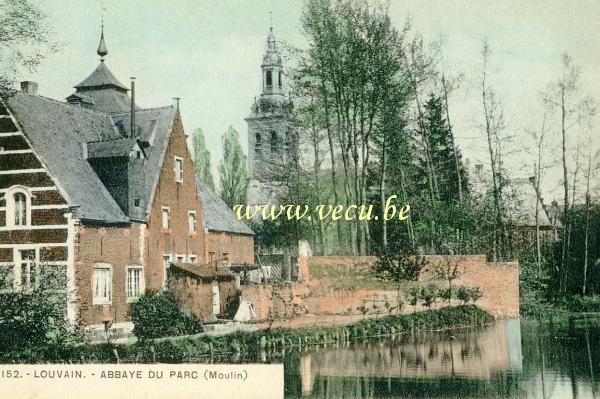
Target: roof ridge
[[144, 109], [70, 106]]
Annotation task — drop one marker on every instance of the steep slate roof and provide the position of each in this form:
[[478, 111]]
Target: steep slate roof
[[113, 148], [107, 94], [216, 215], [101, 77], [57, 132], [154, 126]]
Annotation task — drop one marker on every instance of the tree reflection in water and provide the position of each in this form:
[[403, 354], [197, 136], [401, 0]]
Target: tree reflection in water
[[557, 358]]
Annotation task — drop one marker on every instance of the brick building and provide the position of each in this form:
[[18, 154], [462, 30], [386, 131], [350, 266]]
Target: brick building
[[227, 238], [98, 190]]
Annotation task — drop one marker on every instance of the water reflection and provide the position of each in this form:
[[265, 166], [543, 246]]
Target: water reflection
[[511, 359]]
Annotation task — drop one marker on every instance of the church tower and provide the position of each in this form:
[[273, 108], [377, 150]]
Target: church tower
[[270, 141]]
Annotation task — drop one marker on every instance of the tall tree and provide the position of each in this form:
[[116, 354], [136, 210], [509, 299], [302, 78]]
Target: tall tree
[[202, 159], [493, 126], [354, 55], [233, 169], [563, 95], [25, 39]]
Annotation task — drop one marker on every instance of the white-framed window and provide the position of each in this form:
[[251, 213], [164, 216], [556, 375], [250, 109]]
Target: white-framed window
[[134, 283], [166, 217], [102, 284], [192, 221], [178, 166], [166, 265], [18, 207], [180, 258], [27, 269], [193, 259]]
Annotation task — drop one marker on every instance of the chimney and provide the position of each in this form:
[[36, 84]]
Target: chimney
[[29, 87], [132, 133]]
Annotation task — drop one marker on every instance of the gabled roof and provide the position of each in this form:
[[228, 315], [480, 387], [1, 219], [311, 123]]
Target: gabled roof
[[66, 136], [58, 132], [101, 77], [216, 215]]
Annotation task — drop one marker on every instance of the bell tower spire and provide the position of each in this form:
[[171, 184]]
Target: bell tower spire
[[272, 67], [102, 50]]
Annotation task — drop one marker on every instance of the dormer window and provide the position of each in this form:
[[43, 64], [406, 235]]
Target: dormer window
[[178, 169]]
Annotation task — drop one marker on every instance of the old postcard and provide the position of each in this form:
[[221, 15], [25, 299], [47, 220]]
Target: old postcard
[[301, 199]]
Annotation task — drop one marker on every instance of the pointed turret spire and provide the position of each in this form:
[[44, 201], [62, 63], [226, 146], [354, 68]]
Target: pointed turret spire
[[102, 50]]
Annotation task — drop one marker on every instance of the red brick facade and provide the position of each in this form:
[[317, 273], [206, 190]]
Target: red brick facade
[[238, 249], [143, 245]]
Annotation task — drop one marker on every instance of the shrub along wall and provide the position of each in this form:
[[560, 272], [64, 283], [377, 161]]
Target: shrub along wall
[[251, 346]]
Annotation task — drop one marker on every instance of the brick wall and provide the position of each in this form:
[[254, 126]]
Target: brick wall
[[195, 294], [239, 247], [280, 301], [499, 282], [117, 246]]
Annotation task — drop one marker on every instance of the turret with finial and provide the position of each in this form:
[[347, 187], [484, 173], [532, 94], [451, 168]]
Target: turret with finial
[[102, 50]]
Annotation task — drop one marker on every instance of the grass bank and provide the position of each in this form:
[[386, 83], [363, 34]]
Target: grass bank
[[250, 346]]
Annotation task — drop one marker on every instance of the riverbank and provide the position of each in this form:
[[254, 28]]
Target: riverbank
[[252, 346]]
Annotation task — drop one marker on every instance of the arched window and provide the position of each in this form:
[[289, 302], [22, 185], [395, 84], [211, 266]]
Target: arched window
[[279, 80], [258, 144], [269, 80], [18, 207], [274, 142]]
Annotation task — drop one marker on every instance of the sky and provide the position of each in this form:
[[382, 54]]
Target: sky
[[209, 54]]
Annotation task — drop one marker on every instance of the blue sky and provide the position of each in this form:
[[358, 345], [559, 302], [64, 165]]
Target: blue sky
[[209, 53]]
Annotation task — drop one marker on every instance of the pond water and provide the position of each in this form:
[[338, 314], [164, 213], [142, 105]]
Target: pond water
[[555, 358]]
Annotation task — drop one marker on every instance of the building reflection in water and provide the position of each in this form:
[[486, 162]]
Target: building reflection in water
[[471, 354]]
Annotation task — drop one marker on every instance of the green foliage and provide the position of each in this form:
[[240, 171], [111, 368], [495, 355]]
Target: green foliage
[[25, 38], [429, 294], [580, 303], [398, 267], [35, 318], [157, 314], [413, 296], [222, 347], [233, 170], [463, 294], [446, 294], [202, 159]]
